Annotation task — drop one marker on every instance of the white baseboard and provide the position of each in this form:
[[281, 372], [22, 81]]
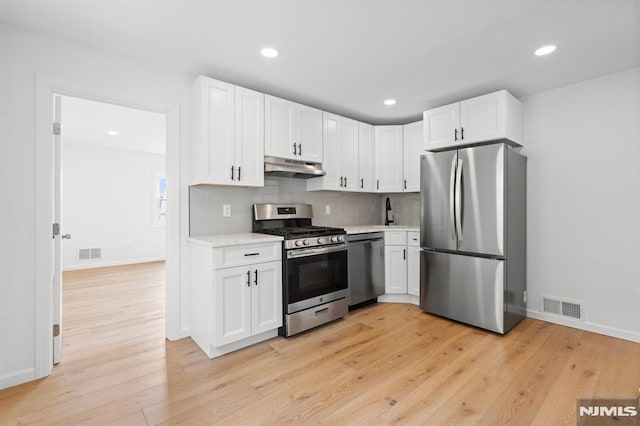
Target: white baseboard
[[101, 264], [399, 298], [620, 333], [17, 378]]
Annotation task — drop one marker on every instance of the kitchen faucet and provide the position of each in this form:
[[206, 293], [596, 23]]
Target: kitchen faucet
[[388, 221]]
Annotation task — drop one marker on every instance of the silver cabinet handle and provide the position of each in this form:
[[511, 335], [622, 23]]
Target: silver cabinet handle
[[452, 199], [459, 200]]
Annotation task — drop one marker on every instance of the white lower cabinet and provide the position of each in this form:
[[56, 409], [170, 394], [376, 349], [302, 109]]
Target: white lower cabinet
[[402, 267], [247, 301], [234, 307]]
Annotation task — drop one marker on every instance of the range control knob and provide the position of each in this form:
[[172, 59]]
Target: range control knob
[[305, 242], [298, 243], [321, 241], [341, 238], [334, 239]]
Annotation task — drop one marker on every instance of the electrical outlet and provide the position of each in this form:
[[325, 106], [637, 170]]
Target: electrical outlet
[[226, 210], [327, 209]]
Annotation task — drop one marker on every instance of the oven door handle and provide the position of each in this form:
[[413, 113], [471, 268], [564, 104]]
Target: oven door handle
[[292, 254]]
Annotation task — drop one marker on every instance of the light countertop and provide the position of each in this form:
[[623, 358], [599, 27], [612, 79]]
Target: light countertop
[[361, 229], [225, 240]]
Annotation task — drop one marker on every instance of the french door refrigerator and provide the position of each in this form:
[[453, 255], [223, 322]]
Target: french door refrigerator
[[473, 235]]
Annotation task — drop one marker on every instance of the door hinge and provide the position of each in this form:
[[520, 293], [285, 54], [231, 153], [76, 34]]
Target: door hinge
[[56, 129], [56, 229], [56, 330]]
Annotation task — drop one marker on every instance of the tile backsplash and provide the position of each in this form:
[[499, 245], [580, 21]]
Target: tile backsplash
[[347, 208]]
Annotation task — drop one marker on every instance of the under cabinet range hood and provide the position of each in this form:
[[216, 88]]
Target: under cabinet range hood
[[284, 167]]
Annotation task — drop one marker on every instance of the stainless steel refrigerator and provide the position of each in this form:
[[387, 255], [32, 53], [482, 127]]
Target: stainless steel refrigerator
[[473, 235]]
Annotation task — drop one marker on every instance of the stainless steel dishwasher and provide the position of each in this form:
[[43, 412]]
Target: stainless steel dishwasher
[[366, 267]]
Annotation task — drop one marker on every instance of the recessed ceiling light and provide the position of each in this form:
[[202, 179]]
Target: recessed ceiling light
[[269, 52], [545, 50], [112, 133], [390, 102]]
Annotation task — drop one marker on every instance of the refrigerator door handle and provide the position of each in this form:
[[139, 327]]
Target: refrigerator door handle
[[452, 205], [458, 198]]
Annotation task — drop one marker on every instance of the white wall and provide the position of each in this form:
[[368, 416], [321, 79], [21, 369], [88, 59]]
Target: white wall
[[106, 77], [107, 203], [583, 233]]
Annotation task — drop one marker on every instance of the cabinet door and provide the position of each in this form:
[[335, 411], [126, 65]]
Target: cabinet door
[[279, 128], [482, 118], [309, 134], [249, 136], [217, 132], [412, 146], [388, 142], [350, 154], [332, 146], [441, 127], [395, 269], [413, 271], [266, 297], [366, 158], [231, 304]]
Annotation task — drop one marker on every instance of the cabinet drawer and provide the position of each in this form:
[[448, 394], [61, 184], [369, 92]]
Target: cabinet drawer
[[246, 254], [413, 239], [395, 238]]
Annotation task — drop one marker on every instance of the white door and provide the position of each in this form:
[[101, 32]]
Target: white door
[[309, 134], [232, 305], [218, 132], [388, 142], [279, 128], [249, 137], [57, 235], [266, 297], [482, 118], [441, 127], [332, 151], [413, 270], [350, 154], [395, 269], [366, 158], [412, 146]]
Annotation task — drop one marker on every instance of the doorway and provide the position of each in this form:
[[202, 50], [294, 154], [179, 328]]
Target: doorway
[[112, 210]]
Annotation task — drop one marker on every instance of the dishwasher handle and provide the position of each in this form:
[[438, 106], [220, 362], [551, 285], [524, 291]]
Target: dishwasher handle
[[367, 236]]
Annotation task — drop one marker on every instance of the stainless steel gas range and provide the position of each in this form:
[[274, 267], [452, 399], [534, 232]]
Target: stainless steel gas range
[[314, 266]]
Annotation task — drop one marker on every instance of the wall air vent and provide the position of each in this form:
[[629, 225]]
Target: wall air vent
[[89, 253], [564, 308]]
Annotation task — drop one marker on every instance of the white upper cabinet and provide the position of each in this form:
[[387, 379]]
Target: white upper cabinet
[[366, 158], [292, 130], [340, 153], [494, 116], [350, 154], [388, 158], [412, 146], [227, 134]]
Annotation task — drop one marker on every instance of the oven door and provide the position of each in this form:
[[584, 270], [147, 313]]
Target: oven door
[[314, 276]]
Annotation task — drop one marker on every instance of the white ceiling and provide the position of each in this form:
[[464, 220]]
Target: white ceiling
[[86, 122], [347, 56]]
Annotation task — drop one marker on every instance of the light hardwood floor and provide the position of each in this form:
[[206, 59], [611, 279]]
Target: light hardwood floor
[[383, 364]]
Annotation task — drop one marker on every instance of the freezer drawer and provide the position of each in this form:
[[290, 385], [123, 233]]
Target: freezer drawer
[[463, 288]]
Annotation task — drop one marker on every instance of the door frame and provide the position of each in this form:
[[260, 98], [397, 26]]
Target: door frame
[[46, 88]]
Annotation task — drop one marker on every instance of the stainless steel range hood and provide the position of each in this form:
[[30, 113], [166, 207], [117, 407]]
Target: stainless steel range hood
[[283, 167]]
